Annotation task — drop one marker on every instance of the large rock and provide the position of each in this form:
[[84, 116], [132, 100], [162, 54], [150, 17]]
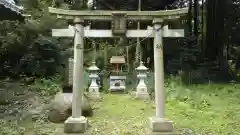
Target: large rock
[[61, 107]]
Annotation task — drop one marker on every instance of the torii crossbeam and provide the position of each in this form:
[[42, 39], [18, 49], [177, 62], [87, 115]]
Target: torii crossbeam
[[130, 15], [77, 123], [108, 33]]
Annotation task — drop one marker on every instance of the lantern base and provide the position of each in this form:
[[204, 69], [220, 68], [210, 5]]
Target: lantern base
[[94, 93], [142, 93]]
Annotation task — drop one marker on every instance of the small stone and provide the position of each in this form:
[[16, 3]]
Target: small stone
[[133, 93]]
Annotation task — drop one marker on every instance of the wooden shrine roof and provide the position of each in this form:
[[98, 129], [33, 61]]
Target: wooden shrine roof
[[117, 60], [10, 11]]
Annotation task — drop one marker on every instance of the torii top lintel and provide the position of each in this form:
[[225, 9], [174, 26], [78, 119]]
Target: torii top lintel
[[130, 15]]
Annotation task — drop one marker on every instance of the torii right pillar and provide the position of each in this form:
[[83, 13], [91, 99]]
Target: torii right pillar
[[159, 124]]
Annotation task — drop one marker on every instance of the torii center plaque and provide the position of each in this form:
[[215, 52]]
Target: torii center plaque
[[119, 24]]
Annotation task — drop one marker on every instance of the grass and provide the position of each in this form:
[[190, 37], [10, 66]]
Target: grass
[[202, 109], [207, 109], [121, 115]]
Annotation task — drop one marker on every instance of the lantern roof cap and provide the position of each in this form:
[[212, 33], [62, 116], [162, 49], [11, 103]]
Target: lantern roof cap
[[141, 67], [93, 67]]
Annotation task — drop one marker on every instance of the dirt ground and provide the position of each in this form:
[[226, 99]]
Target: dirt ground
[[117, 114], [25, 114]]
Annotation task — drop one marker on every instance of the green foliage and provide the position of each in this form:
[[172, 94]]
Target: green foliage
[[211, 104], [195, 68], [28, 48], [25, 51], [48, 87], [190, 66], [100, 62]]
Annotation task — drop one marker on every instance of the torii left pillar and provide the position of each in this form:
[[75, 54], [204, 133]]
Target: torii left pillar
[[77, 123]]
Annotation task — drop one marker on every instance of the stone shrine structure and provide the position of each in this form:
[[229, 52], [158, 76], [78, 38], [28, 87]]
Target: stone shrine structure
[[158, 123], [116, 80]]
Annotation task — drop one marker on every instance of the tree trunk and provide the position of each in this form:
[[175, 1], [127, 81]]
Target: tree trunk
[[190, 17], [196, 8]]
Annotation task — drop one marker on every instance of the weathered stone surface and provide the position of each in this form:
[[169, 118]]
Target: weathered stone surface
[[142, 93], [75, 125], [61, 107], [164, 133], [131, 15], [160, 125], [87, 132]]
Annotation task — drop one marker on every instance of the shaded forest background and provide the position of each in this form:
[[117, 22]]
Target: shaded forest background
[[210, 51]]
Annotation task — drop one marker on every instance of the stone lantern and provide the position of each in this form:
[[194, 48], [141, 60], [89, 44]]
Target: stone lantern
[[142, 92], [93, 90]]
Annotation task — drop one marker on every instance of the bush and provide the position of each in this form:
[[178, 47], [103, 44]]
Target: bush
[[28, 49]]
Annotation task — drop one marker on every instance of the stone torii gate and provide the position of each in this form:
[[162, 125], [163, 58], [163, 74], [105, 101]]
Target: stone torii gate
[[77, 123]]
